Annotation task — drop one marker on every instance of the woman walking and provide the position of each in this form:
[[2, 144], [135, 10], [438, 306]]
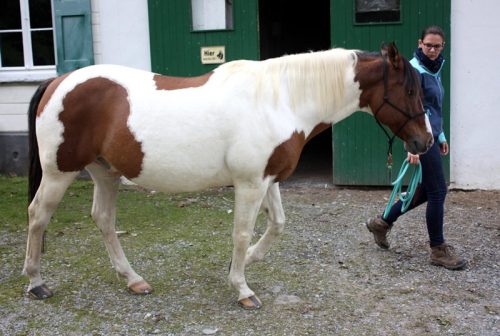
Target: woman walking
[[428, 61]]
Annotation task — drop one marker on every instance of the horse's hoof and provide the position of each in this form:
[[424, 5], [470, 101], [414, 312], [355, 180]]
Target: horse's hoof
[[40, 292], [250, 303], [140, 288]]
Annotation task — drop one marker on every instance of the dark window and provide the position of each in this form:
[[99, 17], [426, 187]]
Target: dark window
[[10, 15], [42, 45], [11, 49], [377, 11], [26, 34], [40, 14]]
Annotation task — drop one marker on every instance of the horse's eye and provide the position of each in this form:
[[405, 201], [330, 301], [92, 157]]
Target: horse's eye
[[410, 93]]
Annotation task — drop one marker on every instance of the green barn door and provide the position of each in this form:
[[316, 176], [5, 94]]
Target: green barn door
[[179, 29], [359, 146]]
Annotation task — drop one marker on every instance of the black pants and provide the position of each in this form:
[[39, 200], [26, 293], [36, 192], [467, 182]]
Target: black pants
[[433, 191]]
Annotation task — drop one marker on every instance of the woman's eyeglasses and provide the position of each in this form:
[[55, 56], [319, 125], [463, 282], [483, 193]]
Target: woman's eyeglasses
[[435, 46]]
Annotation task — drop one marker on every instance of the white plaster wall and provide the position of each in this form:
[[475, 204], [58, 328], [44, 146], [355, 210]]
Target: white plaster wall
[[14, 101], [475, 94], [121, 33]]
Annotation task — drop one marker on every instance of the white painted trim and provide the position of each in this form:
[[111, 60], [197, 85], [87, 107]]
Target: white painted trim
[[35, 75]]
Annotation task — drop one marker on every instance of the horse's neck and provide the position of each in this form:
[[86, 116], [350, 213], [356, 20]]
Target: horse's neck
[[312, 113], [328, 97]]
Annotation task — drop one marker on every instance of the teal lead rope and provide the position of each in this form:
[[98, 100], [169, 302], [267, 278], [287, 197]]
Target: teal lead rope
[[405, 198]]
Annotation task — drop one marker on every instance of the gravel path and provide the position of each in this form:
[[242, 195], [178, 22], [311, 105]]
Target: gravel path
[[325, 276]]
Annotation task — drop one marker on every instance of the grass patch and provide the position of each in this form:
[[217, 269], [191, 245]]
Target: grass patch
[[180, 243]]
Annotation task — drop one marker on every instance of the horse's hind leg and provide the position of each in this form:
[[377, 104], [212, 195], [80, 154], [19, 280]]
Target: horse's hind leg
[[104, 214], [45, 202], [275, 224]]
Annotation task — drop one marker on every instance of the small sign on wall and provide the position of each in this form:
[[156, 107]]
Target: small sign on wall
[[213, 55]]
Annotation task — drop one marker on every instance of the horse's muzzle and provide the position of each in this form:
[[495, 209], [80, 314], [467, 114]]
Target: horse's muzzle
[[417, 146]]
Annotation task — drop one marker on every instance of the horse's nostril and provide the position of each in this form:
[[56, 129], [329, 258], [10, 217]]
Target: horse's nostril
[[417, 145], [430, 142]]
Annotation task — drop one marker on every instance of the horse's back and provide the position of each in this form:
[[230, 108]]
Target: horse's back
[[173, 140]]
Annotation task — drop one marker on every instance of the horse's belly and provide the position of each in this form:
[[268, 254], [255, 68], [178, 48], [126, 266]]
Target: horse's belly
[[183, 175], [175, 183]]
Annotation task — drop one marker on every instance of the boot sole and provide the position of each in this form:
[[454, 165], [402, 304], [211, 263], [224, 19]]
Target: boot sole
[[450, 267]]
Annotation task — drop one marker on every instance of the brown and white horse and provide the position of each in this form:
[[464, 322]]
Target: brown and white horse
[[244, 125]]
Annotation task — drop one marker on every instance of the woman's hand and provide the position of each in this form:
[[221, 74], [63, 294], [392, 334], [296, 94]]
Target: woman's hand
[[444, 148], [413, 158]]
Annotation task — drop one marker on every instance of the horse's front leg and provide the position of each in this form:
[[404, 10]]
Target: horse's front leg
[[248, 199], [275, 224]]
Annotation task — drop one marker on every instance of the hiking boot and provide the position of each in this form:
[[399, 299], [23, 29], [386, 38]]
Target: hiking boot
[[444, 255], [380, 229]]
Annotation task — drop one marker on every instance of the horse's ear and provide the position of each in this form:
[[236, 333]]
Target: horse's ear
[[393, 55], [383, 49]]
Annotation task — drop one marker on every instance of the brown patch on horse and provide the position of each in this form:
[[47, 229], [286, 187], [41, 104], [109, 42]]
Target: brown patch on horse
[[95, 117], [176, 83], [49, 92], [368, 70], [285, 157]]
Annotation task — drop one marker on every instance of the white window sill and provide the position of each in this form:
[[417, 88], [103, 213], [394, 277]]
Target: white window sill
[[8, 76]]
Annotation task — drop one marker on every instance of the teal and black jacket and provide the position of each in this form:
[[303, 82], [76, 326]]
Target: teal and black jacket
[[433, 93]]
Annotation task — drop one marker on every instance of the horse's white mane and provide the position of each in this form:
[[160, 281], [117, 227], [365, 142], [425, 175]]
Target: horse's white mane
[[315, 76]]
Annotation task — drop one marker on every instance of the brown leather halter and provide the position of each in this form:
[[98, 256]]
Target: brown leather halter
[[387, 101]]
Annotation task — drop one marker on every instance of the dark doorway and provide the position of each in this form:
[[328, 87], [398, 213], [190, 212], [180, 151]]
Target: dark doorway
[[291, 27]]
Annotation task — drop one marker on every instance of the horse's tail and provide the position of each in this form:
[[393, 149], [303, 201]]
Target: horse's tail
[[35, 168]]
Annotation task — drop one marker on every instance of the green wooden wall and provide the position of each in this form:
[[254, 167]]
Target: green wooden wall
[[359, 146], [175, 47]]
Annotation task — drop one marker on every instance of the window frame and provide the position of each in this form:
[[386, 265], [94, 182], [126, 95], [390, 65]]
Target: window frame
[[228, 14], [29, 72], [374, 23]]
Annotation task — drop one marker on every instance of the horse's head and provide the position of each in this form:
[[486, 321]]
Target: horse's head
[[391, 89]]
